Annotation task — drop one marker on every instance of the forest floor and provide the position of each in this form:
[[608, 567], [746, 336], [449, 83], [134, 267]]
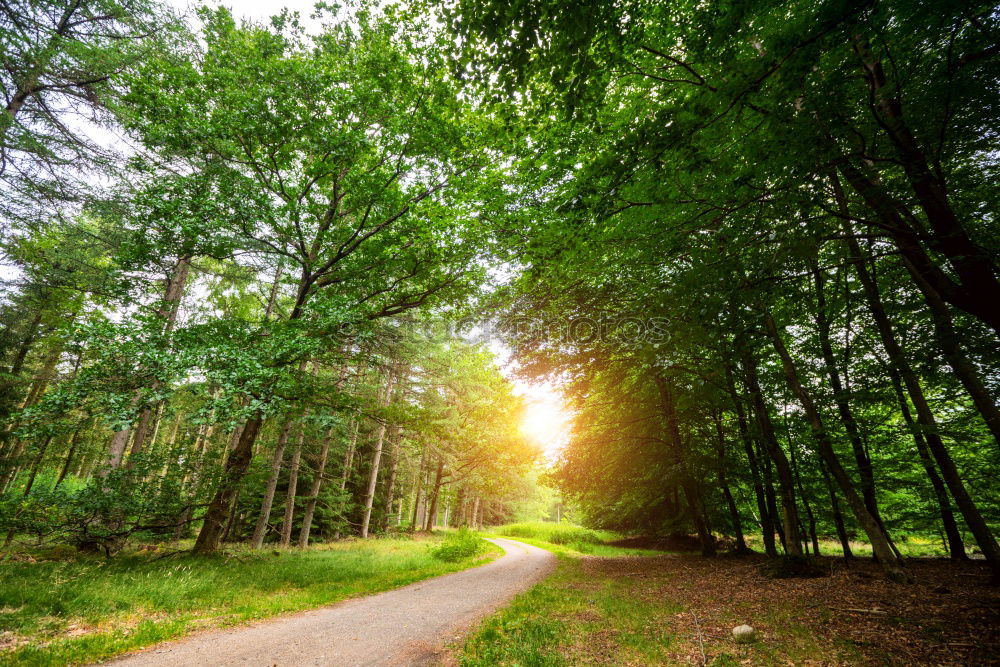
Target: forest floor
[[58, 607], [680, 610]]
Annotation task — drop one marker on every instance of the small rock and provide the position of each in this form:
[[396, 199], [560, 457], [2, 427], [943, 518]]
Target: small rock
[[744, 634]]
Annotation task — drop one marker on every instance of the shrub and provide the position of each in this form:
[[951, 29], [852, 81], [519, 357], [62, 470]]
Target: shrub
[[458, 546], [555, 533]]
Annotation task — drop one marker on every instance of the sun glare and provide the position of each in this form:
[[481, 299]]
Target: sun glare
[[546, 420]]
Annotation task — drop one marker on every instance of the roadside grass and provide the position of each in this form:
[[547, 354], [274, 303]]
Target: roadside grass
[[567, 539], [64, 608], [571, 618]]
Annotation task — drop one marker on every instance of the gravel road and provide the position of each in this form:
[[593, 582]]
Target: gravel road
[[406, 626]]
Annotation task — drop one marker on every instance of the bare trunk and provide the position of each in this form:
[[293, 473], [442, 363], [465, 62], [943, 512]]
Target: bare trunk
[[840, 397], [390, 484], [349, 454], [978, 288], [962, 367], [237, 464], [376, 459], [293, 487], [272, 483], [435, 493], [69, 455], [925, 417], [838, 517], [956, 545], [317, 485], [766, 518], [891, 565], [790, 516]]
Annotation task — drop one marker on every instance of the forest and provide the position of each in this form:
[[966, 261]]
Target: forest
[[275, 282]]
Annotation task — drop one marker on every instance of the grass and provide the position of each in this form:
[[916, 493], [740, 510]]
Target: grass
[[567, 539], [572, 618], [75, 609], [909, 545], [581, 617], [680, 610]]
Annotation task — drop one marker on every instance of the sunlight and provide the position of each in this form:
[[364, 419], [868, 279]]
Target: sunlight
[[546, 419]]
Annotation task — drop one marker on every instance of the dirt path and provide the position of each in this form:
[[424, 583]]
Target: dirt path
[[407, 626]]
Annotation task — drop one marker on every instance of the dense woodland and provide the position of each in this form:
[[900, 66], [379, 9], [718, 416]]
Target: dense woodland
[[754, 243]]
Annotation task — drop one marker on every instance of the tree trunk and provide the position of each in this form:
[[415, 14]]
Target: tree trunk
[[925, 417], [838, 517], [431, 517], [231, 521], [237, 464], [376, 459], [786, 482], [891, 565], [802, 493], [272, 483], [734, 514], [766, 518], [956, 546], [679, 457], [962, 367], [842, 400], [979, 288], [418, 486], [317, 485], [69, 455], [293, 488], [169, 307], [390, 484], [475, 514], [349, 454]]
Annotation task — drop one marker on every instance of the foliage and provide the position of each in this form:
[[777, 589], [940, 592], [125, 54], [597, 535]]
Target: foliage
[[459, 545]]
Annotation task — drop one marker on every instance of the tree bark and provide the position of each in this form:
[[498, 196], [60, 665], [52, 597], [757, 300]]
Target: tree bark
[[317, 485], [974, 265], [734, 514], [431, 517], [891, 565], [293, 488], [349, 453], [272, 483], [840, 397], [766, 518], [390, 484], [925, 417], [376, 459], [956, 545], [69, 455], [237, 464], [786, 482], [688, 486], [966, 372], [838, 517]]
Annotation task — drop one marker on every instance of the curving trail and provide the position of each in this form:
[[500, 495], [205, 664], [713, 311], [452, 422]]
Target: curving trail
[[406, 626]]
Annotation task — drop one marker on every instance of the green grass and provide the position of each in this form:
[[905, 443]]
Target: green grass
[[909, 545], [82, 609], [573, 618], [566, 538], [579, 617]]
